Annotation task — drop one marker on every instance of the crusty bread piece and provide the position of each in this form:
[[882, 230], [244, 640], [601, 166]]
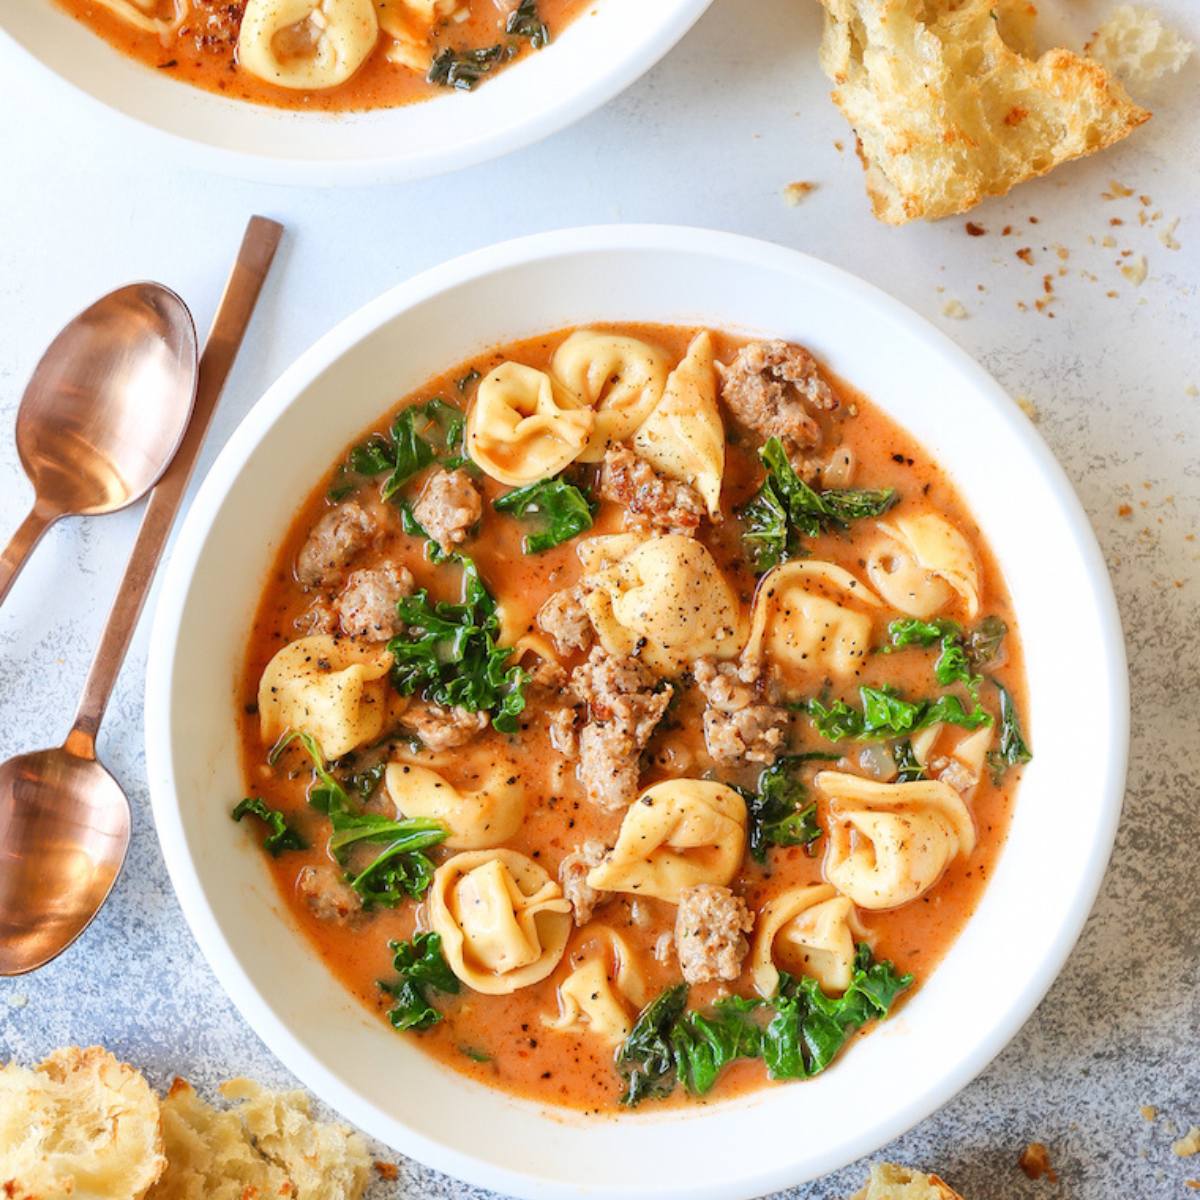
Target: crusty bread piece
[[890, 1182], [1136, 46], [266, 1146], [81, 1125], [947, 112]]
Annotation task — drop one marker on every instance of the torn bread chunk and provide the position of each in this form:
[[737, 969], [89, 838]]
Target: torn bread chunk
[[890, 1182], [947, 112], [1137, 47]]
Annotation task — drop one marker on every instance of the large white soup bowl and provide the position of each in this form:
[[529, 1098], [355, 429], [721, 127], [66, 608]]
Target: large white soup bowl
[[603, 51], [1067, 807]]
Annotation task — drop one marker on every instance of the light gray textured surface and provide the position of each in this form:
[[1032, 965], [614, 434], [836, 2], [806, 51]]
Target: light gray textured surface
[[708, 138]]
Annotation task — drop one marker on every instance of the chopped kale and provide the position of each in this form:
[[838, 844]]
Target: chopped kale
[[472, 376], [525, 22], [281, 836], [886, 714], [797, 1033], [785, 509], [448, 654], [463, 69], [983, 643], [776, 814], [908, 766], [420, 966], [562, 508], [1013, 751]]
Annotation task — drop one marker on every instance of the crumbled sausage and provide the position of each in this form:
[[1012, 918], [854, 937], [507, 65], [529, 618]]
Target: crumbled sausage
[[332, 544], [623, 710], [738, 727], [366, 607], [448, 507], [564, 730], [650, 500], [710, 925], [441, 728], [326, 893], [767, 388], [572, 874], [565, 621]]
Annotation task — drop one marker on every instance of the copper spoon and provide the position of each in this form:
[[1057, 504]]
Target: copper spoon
[[64, 820], [104, 411]]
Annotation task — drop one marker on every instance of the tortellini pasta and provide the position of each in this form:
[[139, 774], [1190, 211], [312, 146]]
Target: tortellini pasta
[[621, 378], [683, 438], [604, 991], [307, 44], [677, 834], [890, 842], [327, 687], [525, 426], [810, 930], [663, 596], [922, 563], [811, 620], [409, 24], [151, 16], [503, 921], [476, 820]]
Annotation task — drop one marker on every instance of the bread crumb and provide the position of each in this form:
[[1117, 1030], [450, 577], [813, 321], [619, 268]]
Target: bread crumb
[[1135, 271], [1192, 1184], [1148, 1111], [1025, 254], [1108, 241], [891, 1182], [18, 1000], [1035, 1162], [1167, 236], [1116, 190], [387, 1170], [1187, 1145], [975, 230], [1137, 47], [794, 192], [1191, 390], [1126, 510], [1028, 408], [953, 308]]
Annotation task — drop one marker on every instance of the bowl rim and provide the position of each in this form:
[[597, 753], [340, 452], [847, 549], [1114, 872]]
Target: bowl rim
[[536, 125], [730, 249]]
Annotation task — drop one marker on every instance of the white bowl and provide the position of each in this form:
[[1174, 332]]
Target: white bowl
[[604, 50], [1065, 818]]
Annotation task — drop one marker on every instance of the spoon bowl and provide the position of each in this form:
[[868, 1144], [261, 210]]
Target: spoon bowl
[[64, 829], [105, 410]]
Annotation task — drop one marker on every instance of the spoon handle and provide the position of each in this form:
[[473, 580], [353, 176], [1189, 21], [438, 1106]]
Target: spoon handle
[[224, 340], [21, 545]]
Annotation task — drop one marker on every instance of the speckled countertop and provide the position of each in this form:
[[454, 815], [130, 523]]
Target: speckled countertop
[[1109, 370]]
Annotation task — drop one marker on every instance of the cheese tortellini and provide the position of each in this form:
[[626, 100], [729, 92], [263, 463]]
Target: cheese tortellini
[[922, 563], [604, 992], [890, 842], [503, 921], [811, 620], [676, 835], [683, 438], [664, 594], [327, 687], [621, 378], [307, 44], [810, 930], [150, 16], [476, 820], [525, 426]]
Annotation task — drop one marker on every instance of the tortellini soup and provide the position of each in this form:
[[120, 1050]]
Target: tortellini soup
[[331, 55], [624, 706]]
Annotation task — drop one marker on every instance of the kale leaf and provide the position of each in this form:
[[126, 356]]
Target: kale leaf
[[797, 1033], [785, 509], [563, 508], [983, 643], [420, 966], [908, 766], [421, 435], [525, 22], [953, 664], [886, 714], [448, 653], [281, 836], [463, 69], [1013, 751], [776, 814], [401, 868]]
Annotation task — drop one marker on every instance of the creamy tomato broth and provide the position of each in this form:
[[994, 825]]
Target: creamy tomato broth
[[327, 55], [696, 801]]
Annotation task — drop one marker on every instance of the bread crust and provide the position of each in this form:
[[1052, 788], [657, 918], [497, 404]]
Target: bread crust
[[891, 1182], [948, 111]]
